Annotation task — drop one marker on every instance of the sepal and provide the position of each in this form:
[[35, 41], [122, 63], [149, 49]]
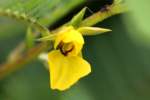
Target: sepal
[[92, 30], [76, 20]]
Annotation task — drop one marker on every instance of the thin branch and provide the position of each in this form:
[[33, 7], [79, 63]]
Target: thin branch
[[104, 14], [9, 67]]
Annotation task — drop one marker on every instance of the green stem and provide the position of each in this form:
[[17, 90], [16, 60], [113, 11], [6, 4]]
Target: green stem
[[24, 17], [102, 15]]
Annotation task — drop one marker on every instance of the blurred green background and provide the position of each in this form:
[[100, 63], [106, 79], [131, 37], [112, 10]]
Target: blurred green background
[[120, 59]]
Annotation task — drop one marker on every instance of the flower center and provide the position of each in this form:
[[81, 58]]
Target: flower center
[[65, 48]]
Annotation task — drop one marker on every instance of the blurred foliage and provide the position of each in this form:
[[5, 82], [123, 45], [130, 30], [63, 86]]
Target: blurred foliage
[[42, 11], [139, 18], [119, 59]]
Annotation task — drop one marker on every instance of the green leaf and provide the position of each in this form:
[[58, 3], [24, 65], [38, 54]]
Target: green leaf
[[44, 12], [38, 8]]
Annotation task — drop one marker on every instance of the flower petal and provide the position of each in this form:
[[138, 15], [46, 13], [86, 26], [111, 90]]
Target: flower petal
[[65, 71], [70, 35]]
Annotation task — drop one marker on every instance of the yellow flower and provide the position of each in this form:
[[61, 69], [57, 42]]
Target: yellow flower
[[66, 64]]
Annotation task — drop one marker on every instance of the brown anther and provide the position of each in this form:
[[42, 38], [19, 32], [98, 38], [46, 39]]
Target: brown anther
[[61, 47], [65, 53]]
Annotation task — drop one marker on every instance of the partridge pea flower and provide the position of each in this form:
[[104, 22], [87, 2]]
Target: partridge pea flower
[[66, 65]]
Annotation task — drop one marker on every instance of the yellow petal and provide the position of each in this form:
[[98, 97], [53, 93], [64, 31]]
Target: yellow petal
[[65, 71], [70, 35], [92, 30]]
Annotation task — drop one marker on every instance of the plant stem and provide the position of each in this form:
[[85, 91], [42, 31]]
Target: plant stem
[[9, 67], [102, 15]]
